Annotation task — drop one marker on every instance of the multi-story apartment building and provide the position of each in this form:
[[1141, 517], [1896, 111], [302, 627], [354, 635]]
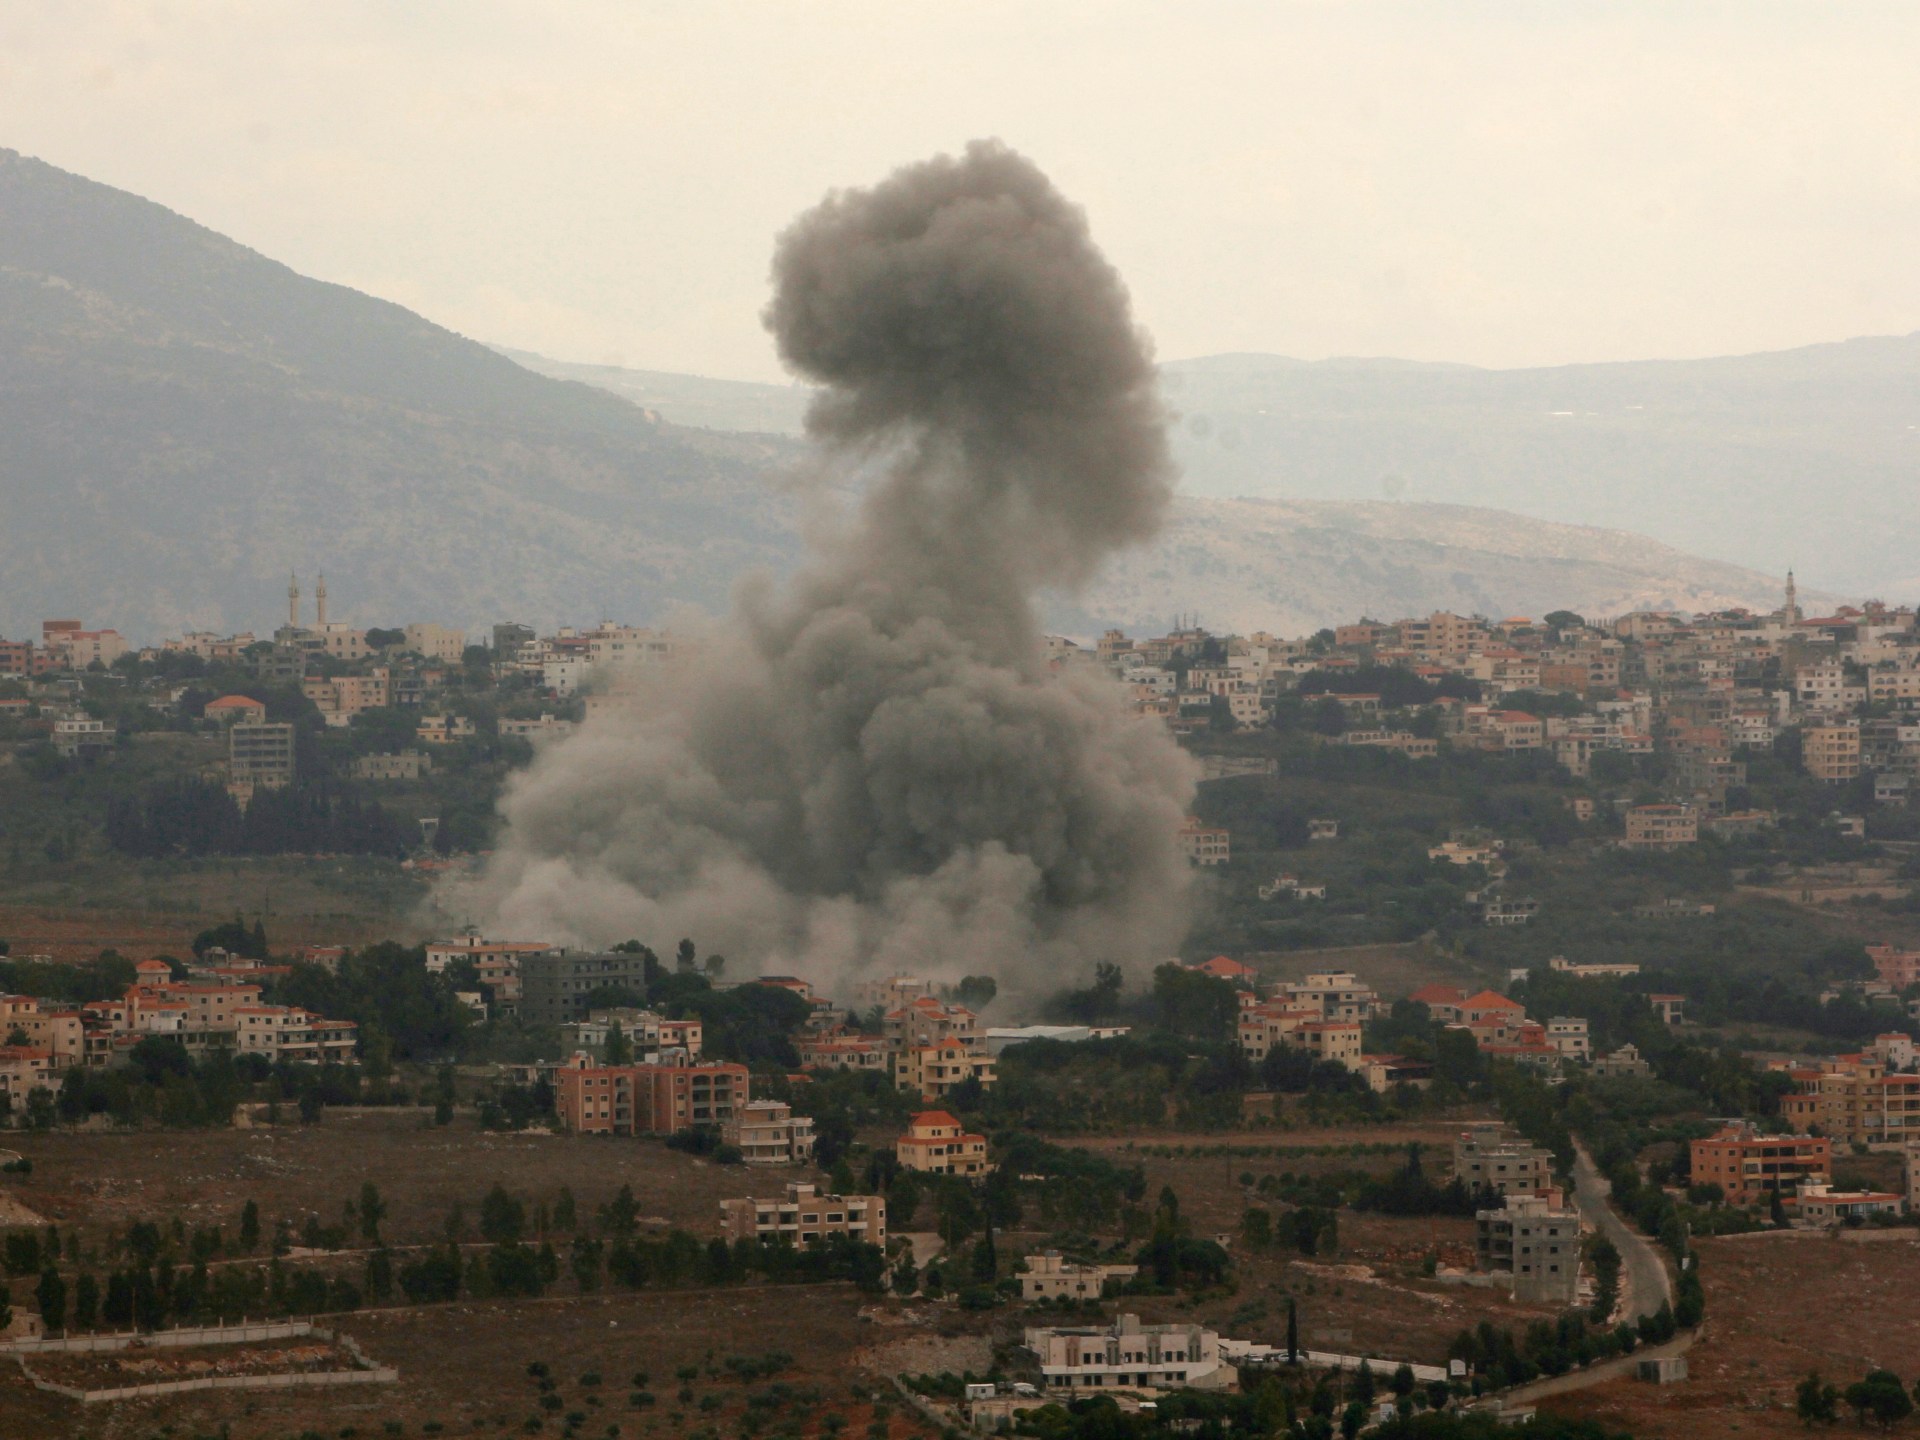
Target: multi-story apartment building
[[287, 1032], [891, 993], [1568, 1035], [496, 962], [52, 1029], [938, 1144], [1049, 1276], [806, 1217], [1749, 1166], [767, 1132], [1899, 968], [260, 752], [1261, 1027], [653, 1039], [1485, 1157], [341, 697], [1127, 1355], [926, 1020], [842, 1052], [1854, 1100], [1831, 752], [1335, 1040], [932, 1071], [1661, 827], [24, 1069], [438, 642], [556, 985], [1205, 844], [1336, 995], [1536, 1242], [595, 1099]]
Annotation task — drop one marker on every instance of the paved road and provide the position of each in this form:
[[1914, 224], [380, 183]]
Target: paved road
[[1643, 1276]]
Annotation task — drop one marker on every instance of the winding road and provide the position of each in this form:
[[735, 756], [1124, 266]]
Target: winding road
[[1644, 1279]]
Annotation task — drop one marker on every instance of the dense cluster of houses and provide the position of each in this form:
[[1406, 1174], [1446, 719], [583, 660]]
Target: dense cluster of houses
[[214, 1005], [1701, 690]]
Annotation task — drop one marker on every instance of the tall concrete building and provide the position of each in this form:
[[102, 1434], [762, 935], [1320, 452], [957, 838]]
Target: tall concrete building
[[261, 752], [554, 985]]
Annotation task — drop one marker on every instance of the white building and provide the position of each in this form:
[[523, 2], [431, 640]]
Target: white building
[[767, 1132], [1050, 1277], [1127, 1355]]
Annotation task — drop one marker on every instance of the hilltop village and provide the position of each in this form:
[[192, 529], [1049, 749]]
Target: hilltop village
[[1546, 977]]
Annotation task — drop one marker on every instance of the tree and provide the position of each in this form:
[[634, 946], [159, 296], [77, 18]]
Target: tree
[[1363, 1383], [86, 1301], [1256, 1228], [618, 1050], [51, 1295], [716, 966], [986, 1260], [117, 1308], [1194, 1004], [621, 1215], [6, 1307], [379, 1278], [565, 1212], [976, 991], [684, 957], [1293, 1332], [1815, 1401], [1880, 1396], [502, 1218], [372, 1211], [249, 1227]]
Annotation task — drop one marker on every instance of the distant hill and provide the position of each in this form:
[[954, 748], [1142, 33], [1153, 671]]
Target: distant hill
[[1802, 459], [183, 421], [692, 400], [1291, 566], [1806, 459]]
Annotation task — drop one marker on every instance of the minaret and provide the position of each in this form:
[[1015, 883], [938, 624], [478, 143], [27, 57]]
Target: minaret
[[1791, 612], [293, 600], [320, 603]]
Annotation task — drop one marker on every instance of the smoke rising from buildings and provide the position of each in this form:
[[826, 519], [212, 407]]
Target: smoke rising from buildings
[[872, 766]]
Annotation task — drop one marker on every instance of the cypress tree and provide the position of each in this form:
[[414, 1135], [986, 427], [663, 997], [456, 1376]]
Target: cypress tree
[[52, 1297]]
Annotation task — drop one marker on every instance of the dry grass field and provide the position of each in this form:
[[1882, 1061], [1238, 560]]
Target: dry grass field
[[1777, 1306], [463, 1370], [100, 1182], [1370, 1296]]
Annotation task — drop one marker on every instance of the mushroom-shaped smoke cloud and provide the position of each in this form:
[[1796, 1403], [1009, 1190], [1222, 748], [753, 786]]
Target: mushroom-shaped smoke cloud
[[874, 767]]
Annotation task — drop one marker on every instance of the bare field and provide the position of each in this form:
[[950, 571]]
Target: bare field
[[1392, 970], [103, 1181], [463, 1367], [1370, 1296], [1777, 1306], [301, 912]]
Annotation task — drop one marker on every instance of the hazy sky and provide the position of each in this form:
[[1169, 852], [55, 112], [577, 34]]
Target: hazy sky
[[1506, 184]]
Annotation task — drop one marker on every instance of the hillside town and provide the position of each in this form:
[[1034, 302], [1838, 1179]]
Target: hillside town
[[1702, 692], [917, 1136]]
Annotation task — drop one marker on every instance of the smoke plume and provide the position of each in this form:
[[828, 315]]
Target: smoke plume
[[873, 768]]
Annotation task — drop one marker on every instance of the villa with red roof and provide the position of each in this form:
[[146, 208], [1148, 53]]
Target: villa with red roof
[[1220, 967], [1443, 1002], [235, 707], [938, 1144], [1490, 1005]]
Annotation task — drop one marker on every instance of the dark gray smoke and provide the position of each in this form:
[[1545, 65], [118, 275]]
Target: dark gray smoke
[[874, 768]]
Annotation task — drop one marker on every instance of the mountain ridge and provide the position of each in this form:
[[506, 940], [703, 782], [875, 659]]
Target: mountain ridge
[[183, 421]]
